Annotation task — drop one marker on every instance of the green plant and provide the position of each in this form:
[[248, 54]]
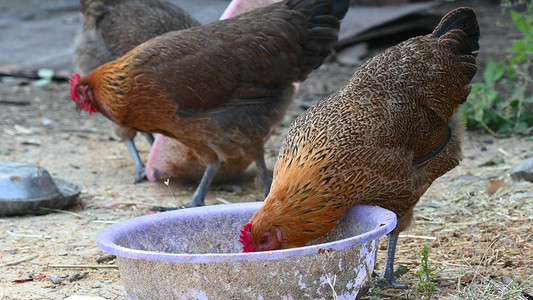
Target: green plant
[[502, 103], [425, 274]]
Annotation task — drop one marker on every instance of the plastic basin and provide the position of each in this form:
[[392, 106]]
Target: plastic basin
[[195, 254]]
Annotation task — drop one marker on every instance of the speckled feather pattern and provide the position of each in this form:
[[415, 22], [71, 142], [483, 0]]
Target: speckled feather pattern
[[363, 144]]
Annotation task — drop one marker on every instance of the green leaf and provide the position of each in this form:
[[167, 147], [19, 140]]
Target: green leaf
[[519, 45], [520, 23], [492, 96], [492, 162], [527, 117], [493, 72]]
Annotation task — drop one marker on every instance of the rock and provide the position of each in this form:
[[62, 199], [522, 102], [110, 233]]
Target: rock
[[523, 171], [105, 258], [77, 276], [55, 279], [488, 140]]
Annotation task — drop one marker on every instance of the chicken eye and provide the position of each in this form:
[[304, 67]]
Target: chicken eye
[[265, 239]]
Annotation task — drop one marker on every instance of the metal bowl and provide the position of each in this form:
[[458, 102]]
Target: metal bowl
[[194, 253], [26, 187]]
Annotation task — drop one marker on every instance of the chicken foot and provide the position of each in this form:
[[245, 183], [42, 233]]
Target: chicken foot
[[386, 278], [201, 190], [207, 179]]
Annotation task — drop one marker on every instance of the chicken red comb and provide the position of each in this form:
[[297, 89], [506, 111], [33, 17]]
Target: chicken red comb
[[246, 238], [73, 81]]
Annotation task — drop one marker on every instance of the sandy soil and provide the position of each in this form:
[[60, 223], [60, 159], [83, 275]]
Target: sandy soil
[[478, 238]]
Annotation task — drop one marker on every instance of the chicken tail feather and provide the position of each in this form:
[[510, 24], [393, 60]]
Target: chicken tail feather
[[340, 8], [323, 25], [464, 19], [337, 8]]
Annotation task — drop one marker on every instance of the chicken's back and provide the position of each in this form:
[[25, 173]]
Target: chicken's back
[[219, 88]]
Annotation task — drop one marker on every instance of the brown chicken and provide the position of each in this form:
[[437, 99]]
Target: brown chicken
[[111, 28], [201, 85], [381, 140], [169, 158]]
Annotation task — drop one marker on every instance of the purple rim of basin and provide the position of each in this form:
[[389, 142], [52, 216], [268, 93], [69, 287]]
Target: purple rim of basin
[[107, 236]]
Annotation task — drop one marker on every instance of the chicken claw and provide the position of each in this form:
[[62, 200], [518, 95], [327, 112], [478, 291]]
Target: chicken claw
[[386, 278]]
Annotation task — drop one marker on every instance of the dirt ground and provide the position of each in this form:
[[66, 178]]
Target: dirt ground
[[480, 240]]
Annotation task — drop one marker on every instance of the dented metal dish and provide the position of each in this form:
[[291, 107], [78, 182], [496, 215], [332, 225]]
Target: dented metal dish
[[27, 187]]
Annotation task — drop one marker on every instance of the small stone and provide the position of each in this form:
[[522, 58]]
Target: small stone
[[523, 171], [77, 276], [105, 258], [55, 279], [46, 122], [488, 140], [506, 280], [62, 254], [97, 284]]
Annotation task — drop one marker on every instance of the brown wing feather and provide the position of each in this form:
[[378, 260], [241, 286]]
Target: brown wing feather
[[249, 55]]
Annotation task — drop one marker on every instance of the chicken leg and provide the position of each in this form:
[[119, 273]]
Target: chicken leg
[[149, 137], [210, 172], [207, 178], [262, 171], [386, 278], [140, 169]]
